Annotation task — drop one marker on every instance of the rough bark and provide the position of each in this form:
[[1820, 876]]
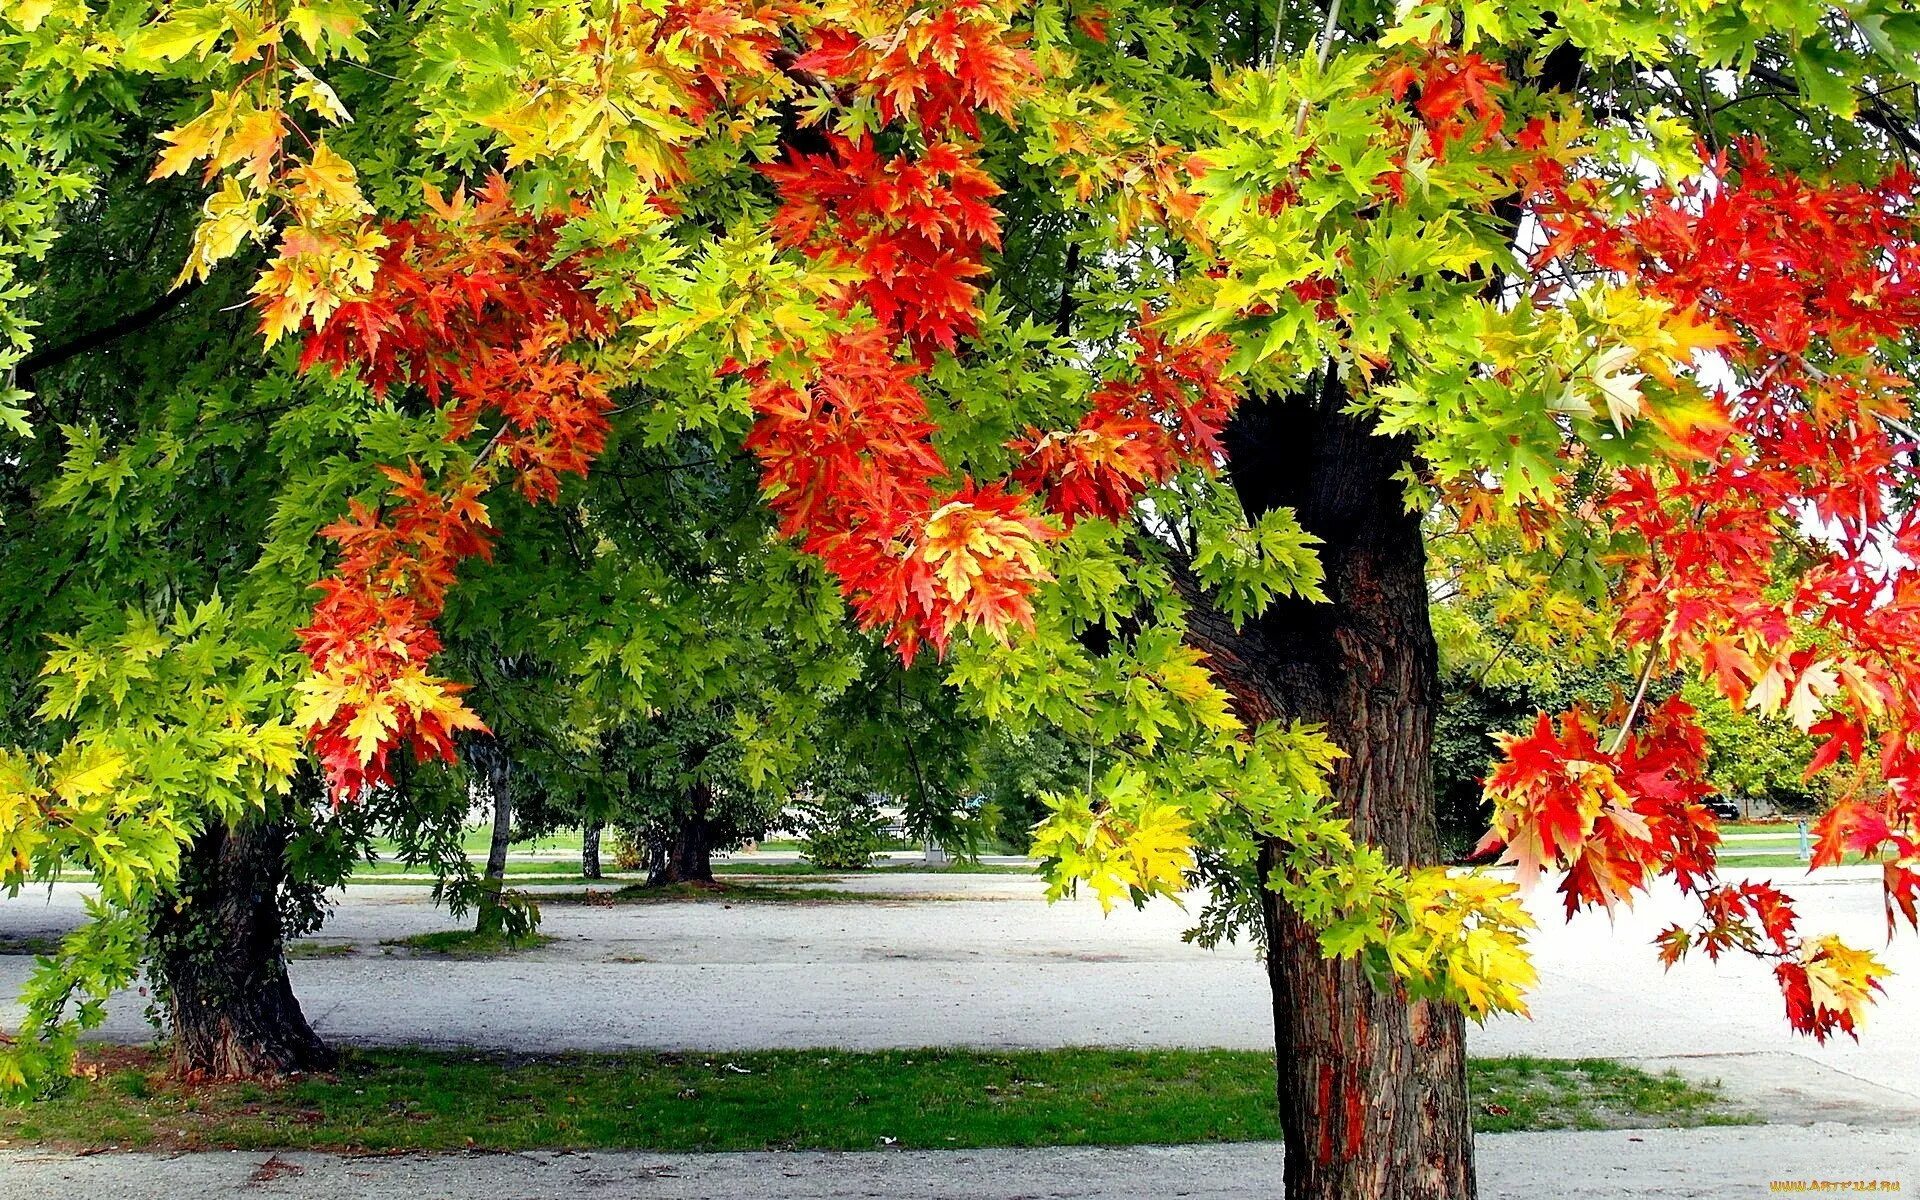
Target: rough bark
[[1372, 1088], [220, 960], [590, 851], [684, 854], [496, 767]]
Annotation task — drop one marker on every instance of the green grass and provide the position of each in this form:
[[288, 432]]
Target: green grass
[[911, 868], [467, 943], [34, 945], [562, 871], [478, 838], [1511, 1094], [319, 950], [783, 1100], [1783, 827], [723, 892], [794, 846], [552, 866], [526, 880]]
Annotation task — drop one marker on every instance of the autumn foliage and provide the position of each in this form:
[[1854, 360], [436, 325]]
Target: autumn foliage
[[467, 307], [1797, 455], [849, 466], [1137, 431], [913, 229], [1718, 412]]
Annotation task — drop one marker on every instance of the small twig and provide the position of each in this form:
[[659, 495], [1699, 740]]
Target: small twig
[[1320, 55], [486, 451], [1898, 424], [1633, 710]]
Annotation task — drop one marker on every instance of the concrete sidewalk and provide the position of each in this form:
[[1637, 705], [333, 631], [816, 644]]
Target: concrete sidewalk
[[1673, 1163]]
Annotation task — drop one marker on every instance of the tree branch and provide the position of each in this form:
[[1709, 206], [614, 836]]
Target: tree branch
[[92, 340]]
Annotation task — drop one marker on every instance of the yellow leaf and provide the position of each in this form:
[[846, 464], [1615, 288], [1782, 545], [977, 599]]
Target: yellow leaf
[[254, 144], [277, 748], [28, 14], [369, 727], [231, 216], [1840, 977], [326, 186], [87, 773], [1690, 333], [320, 696], [199, 138], [319, 21]]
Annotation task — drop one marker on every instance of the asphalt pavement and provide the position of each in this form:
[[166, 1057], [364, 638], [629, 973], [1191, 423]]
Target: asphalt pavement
[[1655, 1164]]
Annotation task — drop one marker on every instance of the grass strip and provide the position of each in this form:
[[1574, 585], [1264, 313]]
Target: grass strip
[[389, 1100], [468, 943], [727, 892]]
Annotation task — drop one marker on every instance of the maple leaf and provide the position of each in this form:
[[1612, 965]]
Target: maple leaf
[[1770, 690], [1840, 981], [369, 725], [1619, 387], [90, 772], [1674, 942], [1816, 683], [985, 557], [1901, 888]]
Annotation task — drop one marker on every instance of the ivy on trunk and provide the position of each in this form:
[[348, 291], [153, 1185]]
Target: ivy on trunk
[[219, 960]]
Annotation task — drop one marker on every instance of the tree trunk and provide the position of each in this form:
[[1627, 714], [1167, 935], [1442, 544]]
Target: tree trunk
[[496, 767], [590, 851], [220, 960], [685, 854], [1373, 1099]]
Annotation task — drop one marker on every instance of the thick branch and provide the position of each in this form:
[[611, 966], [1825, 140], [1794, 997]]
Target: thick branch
[[112, 331]]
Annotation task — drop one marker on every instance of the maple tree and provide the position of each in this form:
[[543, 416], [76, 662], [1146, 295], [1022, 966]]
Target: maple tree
[[1144, 365]]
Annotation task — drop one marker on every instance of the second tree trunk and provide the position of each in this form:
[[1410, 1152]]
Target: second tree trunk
[[590, 851], [1372, 1087], [684, 853], [496, 768]]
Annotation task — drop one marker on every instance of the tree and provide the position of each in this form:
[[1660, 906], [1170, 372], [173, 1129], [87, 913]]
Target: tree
[[222, 973], [158, 539], [129, 547], [688, 797], [1149, 367], [590, 850]]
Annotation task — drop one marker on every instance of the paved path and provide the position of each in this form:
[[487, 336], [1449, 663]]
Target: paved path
[[1726, 1164], [992, 965]]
